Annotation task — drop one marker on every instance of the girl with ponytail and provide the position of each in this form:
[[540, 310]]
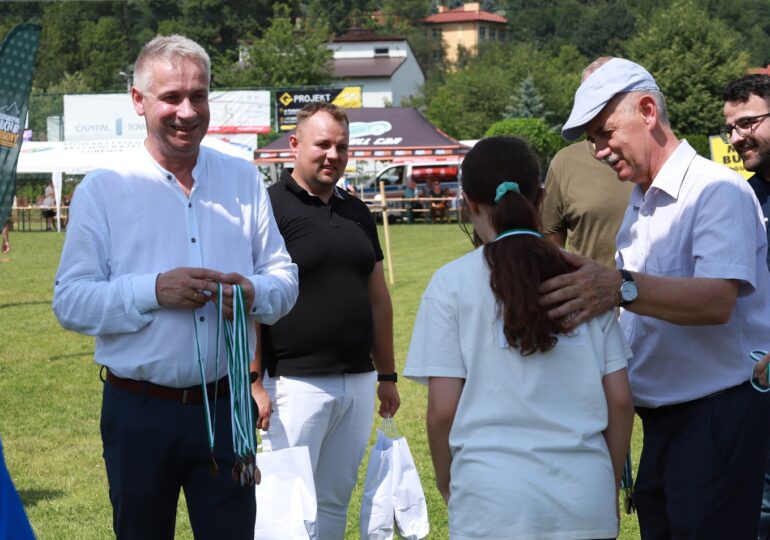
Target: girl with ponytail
[[528, 426]]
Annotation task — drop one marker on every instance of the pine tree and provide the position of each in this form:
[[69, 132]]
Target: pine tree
[[526, 102]]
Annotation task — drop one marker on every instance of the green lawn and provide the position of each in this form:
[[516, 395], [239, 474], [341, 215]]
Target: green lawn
[[50, 392]]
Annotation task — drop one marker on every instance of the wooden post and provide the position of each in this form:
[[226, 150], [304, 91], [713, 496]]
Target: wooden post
[[387, 232]]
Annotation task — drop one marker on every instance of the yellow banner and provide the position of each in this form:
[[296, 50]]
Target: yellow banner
[[349, 98], [726, 155]]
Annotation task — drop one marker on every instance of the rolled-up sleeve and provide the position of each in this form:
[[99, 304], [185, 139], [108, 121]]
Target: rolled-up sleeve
[[85, 299]]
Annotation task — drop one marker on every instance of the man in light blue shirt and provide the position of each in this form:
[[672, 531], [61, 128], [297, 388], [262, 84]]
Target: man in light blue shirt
[[696, 300], [147, 244]]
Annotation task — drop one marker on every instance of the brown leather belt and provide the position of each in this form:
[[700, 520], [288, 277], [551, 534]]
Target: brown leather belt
[[185, 395]]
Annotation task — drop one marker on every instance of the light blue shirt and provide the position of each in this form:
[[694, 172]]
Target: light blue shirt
[[130, 223], [697, 219]]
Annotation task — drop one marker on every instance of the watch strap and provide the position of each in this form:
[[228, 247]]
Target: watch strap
[[626, 275]]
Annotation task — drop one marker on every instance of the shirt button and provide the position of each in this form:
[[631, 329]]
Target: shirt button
[[202, 319], [56, 282], [189, 205], [169, 177], [253, 310], [192, 240]]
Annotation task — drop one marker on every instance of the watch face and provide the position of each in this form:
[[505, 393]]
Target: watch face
[[628, 291]]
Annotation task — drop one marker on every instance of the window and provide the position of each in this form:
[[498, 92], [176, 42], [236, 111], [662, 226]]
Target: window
[[501, 34], [436, 33], [492, 35], [381, 51], [482, 32]]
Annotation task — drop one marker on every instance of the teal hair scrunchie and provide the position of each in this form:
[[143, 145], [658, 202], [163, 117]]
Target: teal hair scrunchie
[[504, 188]]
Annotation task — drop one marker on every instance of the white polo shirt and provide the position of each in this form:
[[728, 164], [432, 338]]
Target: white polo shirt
[[130, 223], [697, 219]]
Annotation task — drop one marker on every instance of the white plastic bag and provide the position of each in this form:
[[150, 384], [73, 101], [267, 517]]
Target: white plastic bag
[[392, 489], [286, 500]]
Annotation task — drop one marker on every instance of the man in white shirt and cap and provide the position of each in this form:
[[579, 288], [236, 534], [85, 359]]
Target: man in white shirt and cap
[[694, 289]]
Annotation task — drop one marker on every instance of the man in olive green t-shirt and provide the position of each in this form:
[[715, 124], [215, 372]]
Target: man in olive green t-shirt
[[584, 204]]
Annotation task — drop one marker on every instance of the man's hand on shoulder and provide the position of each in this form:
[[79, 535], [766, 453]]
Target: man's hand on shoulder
[[390, 401], [186, 287], [234, 278], [583, 294]]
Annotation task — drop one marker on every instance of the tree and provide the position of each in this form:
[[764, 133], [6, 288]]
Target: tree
[[339, 15], [42, 105], [692, 57], [469, 101], [104, 54], [535, 131], [465, 102], [751, 19], [526, 102], [404, 18], [283, 56]]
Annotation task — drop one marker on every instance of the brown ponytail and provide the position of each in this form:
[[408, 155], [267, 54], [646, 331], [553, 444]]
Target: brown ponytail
[[518, 264]]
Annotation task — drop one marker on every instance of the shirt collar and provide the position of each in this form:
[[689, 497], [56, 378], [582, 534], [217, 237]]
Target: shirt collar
[[294, 187], [670, 177], [196, 172]]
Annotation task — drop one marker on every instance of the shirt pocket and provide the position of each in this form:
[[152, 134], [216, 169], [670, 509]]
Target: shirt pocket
[[672, 263]]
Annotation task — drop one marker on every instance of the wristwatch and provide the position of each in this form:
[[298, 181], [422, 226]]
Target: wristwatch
[[387, 377], [628, 290]]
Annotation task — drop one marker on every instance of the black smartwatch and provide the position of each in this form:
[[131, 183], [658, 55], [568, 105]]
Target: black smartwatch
[[387, 377], [628, 290]]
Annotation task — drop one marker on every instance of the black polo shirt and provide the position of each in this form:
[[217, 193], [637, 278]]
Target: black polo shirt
[[335, 247]]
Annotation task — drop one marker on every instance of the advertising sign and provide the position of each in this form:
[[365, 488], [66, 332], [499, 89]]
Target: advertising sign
[[17, 62], [289, 102], [725, 154], [90, 117]]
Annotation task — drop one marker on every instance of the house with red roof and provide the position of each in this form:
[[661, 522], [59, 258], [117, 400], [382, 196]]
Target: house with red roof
[[466, 26]]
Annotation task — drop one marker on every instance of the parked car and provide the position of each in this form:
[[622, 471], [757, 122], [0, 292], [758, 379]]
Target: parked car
[[396, 176]]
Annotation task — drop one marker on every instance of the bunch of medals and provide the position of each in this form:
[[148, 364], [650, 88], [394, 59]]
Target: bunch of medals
[[245, 469]]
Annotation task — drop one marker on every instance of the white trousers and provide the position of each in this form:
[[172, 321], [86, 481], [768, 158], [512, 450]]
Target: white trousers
[[332, 415]]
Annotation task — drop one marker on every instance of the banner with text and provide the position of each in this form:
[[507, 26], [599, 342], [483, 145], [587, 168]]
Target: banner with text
[[289, 102], [89, 117], [17, 63], [724, 153]]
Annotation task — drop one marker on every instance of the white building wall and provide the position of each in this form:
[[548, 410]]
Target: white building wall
[[375, 91], [365, 49], [406, 81]]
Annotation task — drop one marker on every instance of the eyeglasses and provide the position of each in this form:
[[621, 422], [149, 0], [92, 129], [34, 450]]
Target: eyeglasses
[[742, 127]]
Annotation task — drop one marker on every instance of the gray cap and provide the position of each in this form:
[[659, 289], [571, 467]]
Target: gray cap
[[615, 77]]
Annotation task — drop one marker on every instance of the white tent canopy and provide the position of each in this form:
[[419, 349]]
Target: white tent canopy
[[80, 157]]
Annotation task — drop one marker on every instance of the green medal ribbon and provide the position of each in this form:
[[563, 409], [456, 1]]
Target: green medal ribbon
[[241, 404]]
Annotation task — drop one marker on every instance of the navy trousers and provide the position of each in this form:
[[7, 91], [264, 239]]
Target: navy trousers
[[13, 521], [764, 520], [155, 447], [702, 467]]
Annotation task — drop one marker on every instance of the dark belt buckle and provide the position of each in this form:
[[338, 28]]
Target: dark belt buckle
[[184, 397]]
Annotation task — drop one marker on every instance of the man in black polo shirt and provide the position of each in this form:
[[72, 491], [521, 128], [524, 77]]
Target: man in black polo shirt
[[320, 376], [747, 128]]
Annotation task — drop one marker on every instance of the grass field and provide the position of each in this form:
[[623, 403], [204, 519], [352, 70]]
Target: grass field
[[50, 393]]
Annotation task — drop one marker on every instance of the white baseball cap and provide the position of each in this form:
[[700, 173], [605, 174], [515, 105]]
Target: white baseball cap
[[617, 76]]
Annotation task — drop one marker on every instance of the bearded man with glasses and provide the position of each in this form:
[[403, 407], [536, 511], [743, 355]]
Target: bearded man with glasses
[[747, 102]]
